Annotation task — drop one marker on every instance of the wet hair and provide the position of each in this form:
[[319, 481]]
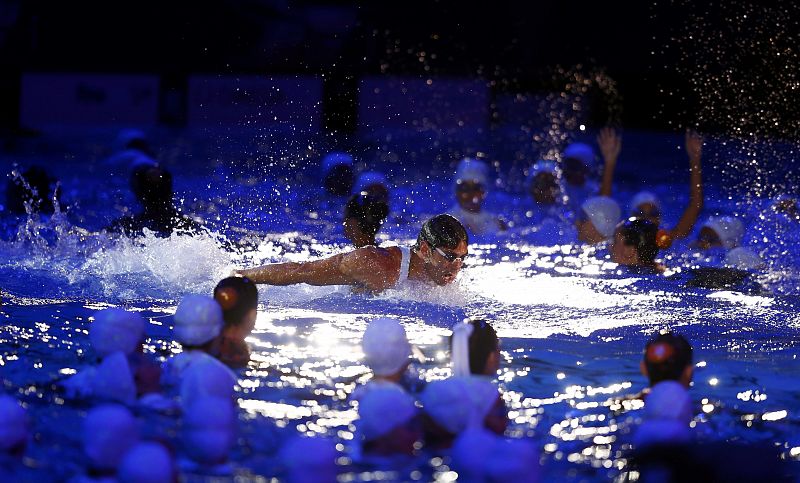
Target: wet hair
[[666, 356], [442, 231], [237, 296], [482, 342], [339, 180], [152, 185], [641, 234], [369, 212], [17, 194]]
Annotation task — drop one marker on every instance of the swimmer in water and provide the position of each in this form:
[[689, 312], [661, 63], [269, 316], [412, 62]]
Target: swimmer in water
[[373, 184], [646, 204], [436, 258], [471, 183], [596, 219], [152, 186], [364, 215], [337, 173], [238, 298], [635, 245], [578, 160]]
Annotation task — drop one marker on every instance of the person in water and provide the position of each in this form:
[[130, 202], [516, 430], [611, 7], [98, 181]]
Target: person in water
[[596, 219], [635, 245], [646, 204], [364, 215], [469, 398], [238, 298], [436, 258], [577, 162], [337, 173], [386, 353], [152, 186], [374, 184], [471, 183]]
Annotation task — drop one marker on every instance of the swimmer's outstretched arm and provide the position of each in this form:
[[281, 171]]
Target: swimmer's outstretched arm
[[694, 149], [318, 272], [610, 146], [365, 266]]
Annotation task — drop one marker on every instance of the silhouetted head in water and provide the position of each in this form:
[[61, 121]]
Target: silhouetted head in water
[[363, 217], [635, 243], [482, 344], [39, 182], [152, 186], [578, 159], [442, 244], [668, 357], [471, 182], [337, 172], [543, 183], [238, 297]]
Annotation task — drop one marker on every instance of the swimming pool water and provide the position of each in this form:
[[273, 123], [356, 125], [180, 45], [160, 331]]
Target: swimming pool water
[[572, 326]]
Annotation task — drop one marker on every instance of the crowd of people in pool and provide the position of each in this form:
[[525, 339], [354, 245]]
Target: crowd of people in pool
[[463, 416], [400, 416]]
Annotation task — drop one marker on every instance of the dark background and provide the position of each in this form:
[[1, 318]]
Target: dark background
[[514, 44]]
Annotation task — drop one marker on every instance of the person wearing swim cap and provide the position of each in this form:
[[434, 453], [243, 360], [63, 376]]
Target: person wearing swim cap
[[436, 258], [238, 298], [646, 204], [471, 183], [364, 215], [596, 219], [635, 244]]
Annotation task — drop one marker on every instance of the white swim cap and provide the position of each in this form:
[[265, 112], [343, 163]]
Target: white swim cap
[[385, 345], [604, 213], [197, 320], [542, 166], [113, 380], [580, 151], [744, 259], [147, 462], [14, 425], [644, 197], [109, 432], [730, 230], [206, 377], [383, 409], [473, 170], [459, 402], [116, 330], [209, 430], [309, 460]]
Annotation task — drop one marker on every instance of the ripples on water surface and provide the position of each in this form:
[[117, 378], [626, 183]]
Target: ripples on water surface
[[572, 330]]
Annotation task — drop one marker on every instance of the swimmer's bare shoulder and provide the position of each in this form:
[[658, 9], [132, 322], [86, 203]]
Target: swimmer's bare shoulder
[[373, 268]]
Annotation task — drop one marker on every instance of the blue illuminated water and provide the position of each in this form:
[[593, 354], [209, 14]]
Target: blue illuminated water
[[572, 326]]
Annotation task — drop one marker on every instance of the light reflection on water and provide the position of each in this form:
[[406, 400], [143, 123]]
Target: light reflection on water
[[571, 344]]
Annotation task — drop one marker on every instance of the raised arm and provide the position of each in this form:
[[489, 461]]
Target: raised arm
[[327, 271], [610, 146], [694, 149]]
